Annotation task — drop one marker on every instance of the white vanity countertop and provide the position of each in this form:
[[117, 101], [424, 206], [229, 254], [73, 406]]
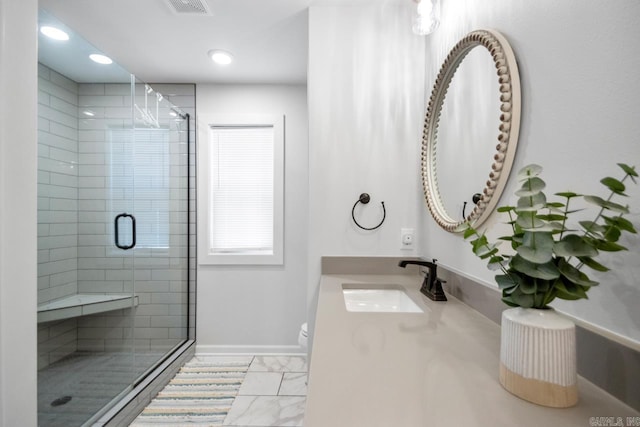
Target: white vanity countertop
[[437, 368]]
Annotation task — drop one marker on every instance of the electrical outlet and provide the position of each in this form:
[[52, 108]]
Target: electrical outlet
[[407, 238]]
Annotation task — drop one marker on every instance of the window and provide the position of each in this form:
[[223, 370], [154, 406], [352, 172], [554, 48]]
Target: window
[[244, 190]]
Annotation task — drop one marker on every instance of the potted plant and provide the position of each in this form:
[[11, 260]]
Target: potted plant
[[546, 261]]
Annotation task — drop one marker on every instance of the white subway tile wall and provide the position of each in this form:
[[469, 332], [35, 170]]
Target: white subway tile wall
[[57, 208]]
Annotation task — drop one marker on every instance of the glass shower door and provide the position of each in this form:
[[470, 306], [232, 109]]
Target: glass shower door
[[159, 190]]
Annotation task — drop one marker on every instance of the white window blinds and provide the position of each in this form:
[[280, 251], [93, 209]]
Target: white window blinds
[[241, 189]]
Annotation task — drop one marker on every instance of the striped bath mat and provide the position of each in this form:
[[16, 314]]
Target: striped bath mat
[[200, 394]]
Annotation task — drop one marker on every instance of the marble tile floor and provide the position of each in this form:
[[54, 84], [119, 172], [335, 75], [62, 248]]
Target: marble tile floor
[[272, 394]]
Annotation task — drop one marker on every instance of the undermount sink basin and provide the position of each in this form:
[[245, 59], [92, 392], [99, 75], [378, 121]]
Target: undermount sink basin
[[378, 298]]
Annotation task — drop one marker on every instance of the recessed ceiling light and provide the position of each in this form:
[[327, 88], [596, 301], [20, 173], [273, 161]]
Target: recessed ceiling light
[[89, 113], [220, 57], [54, 33], [100, 59]]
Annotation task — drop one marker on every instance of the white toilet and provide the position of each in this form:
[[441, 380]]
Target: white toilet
[[302, 338], [302, 341]]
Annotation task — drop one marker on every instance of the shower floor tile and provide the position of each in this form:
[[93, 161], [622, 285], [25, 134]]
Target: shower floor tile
[[91, 380]]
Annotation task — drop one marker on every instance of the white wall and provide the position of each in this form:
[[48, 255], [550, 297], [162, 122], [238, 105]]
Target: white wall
[[258, 308], [18, 281], [366, 104], [579, 64]]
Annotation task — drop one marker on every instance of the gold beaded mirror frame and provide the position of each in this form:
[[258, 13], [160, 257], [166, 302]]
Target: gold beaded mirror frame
[[509, 127]]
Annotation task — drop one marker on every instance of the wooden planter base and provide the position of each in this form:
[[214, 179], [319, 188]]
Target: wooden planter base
[[539, 392]]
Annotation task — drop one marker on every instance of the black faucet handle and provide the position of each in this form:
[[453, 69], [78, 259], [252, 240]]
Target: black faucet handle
[[406, 262], [431, 265], [432, 285]]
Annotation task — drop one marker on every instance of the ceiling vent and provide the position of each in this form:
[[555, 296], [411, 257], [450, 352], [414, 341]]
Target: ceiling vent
[[189, 7]]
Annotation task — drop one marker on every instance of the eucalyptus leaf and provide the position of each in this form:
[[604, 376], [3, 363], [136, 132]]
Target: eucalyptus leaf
[[462, 227], [568, 290], [509, 291], [529, 220], [469, 232], [548, 227], [612, 234], [528, 287], [534, 202], [598, 201], [504, 209], [507, 281], [543, 285], [536, 247], [549, 296], [517, 241], [572, 245], [621, 223], [552, 217], [566, 295], [603, 245], [522, 299], [568, 194], [592, 227], [593, 264], [488, 247], [574, 275], [555, 205], [529, 171], [479, 244], [614, 185], [530, 187], [629, 170], [495, 263], [545, 271], [488, 254], [538, 300], [509, 301]]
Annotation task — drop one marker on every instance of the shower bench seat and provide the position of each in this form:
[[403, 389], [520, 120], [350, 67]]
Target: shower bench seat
[[82, 305]]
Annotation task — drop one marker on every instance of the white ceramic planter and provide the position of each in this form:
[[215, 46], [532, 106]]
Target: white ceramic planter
[[538, 357]]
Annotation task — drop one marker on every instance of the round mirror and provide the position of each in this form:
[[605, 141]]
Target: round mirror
[[478, 124]]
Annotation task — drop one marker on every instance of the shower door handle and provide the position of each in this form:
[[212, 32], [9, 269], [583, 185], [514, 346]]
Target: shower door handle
[[133, 231]]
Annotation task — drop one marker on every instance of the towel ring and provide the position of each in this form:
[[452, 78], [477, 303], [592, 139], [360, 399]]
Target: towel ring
[[364, 199]]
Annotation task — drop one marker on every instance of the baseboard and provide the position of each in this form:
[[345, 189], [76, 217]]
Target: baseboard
[[606, 362], [289, 350]]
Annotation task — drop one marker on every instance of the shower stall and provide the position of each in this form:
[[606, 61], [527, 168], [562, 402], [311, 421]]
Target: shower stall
[[115, 233]]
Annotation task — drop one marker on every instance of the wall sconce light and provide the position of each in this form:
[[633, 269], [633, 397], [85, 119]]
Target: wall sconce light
[[426, 18]]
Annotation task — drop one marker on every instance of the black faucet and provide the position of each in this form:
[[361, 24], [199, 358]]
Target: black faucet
[[432, 285]]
